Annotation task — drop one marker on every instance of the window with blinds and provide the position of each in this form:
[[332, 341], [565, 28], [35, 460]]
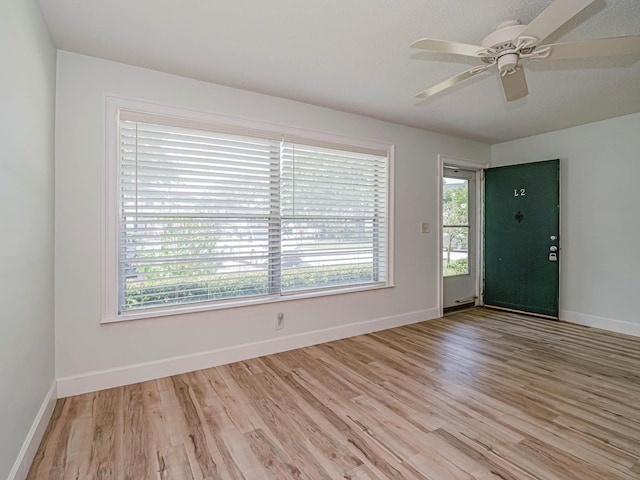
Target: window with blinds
[[209, 214], [334, 219]]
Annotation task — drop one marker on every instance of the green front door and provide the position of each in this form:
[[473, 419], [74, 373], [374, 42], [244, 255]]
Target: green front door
[[521, 247]]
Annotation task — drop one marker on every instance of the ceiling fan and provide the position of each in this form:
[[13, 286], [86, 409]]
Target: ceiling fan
[[513, 43]]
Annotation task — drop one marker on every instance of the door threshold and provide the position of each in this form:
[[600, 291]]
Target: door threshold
[[458, 308], [513, 310]]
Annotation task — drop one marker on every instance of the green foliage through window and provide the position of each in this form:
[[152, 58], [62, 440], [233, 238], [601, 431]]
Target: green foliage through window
[[156, 293]]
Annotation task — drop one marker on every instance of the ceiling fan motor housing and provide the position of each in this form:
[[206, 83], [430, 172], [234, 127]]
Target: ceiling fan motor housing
[[501, 48], [504, 35]]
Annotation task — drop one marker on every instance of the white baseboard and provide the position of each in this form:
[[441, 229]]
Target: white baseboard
[[618, 326], [115, 377], [32, 442]]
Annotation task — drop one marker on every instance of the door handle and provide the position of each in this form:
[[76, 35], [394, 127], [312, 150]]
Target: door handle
[[553, 253], [553, 248]]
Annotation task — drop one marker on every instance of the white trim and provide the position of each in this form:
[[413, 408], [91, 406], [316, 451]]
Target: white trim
[[478, 166], [32, 441], [109, 224], [240, 302], [115, 377], [610, 324], [463, 163], [439, 278], [391, 195], [141, 105]]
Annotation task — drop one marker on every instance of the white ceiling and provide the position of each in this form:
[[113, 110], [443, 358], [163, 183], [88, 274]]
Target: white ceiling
[[354, 55]]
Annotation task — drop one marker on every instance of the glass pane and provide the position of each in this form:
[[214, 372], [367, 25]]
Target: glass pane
[[205, 216], [330, 252], [196, 212], [455, 201], [333, 206], [455, 251]]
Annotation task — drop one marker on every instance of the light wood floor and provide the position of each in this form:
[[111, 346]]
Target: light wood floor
[[478, 395]]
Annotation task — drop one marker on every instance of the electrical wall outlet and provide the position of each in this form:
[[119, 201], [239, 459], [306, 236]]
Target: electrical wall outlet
[[280, 321], [425, 227]]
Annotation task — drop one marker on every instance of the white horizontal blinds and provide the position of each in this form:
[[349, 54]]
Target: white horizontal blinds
[[196, 215], [334, 217]]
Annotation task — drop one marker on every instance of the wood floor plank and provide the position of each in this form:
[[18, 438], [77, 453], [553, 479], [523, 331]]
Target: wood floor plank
[[479, 395], [317, 436], [136, 462], [486, 451], [104, 445], [198, 450], [249, 465], [173, 464], [234, 401], [274, 458], [43, 461]]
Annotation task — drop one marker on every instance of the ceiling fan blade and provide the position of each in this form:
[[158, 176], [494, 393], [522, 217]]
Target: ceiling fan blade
[[515, 85], [444, 46], [553, 17], [453, 81], [598, 47]]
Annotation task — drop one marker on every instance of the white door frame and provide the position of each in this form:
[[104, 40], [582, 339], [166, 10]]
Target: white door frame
[[478, 166]]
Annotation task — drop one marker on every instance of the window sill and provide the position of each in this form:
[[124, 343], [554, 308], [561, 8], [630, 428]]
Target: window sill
[[225, 304]]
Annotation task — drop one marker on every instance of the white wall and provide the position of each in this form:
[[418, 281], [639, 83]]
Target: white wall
[[87, 352], [27, 94], [600, 259]]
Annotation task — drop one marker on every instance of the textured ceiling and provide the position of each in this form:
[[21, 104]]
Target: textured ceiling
[[354, 55]]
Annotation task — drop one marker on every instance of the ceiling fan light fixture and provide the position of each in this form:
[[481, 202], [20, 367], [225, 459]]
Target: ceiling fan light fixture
[[508, 63]]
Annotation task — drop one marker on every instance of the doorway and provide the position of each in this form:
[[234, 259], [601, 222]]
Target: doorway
[[459, 234]]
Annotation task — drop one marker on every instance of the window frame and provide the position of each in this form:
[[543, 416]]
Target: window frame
[[191, 118]]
